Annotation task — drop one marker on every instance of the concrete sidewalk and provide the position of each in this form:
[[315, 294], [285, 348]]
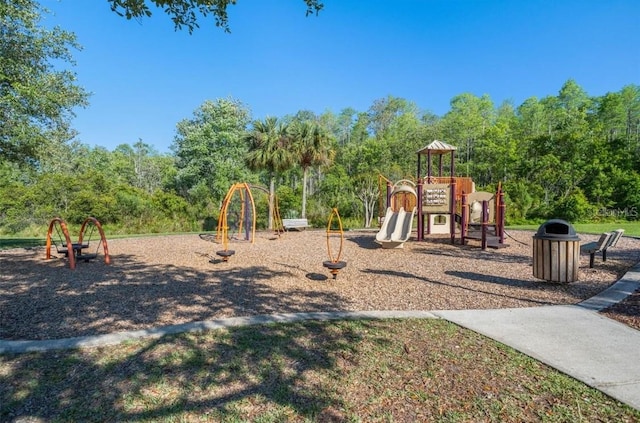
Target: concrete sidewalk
[[600, 352], [574, 339]]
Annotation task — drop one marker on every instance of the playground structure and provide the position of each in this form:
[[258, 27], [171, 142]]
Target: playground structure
[[245, 214], [398, 222], [223, 227], [74, 250], [446, 204], [334, 264]]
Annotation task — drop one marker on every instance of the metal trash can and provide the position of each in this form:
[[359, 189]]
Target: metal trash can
[[556, 252]]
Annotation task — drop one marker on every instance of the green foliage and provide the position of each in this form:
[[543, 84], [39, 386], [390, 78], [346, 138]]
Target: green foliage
[[288, 202], [210, 151], [574, 208], [270, 149], [37, 93], [336, 190], [184, 13], [626, 196], [520, 201], [312, 147], [567, 156]]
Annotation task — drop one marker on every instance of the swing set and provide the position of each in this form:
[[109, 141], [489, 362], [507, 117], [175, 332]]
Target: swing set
[[74, 251]]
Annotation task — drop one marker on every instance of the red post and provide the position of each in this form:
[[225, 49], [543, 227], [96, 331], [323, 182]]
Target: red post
[[420, 215], [463, 219], [485, 222], [452, 211], [502, 207]]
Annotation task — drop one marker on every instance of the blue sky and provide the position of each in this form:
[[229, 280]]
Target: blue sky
[[145, 77]]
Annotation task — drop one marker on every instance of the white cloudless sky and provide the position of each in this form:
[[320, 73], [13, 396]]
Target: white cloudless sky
[[145, 77]]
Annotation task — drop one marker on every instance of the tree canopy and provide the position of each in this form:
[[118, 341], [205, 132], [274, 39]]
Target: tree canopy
[[209, 150], [37, 94], [184, 13], [568, 155]]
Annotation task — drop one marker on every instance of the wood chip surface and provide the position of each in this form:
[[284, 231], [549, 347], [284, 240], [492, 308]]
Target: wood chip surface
[[162, 280]]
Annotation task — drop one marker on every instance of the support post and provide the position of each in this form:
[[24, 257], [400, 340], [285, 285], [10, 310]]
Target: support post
[[453, 165], [502, 208], [452, 211], [247, 229], [485, 222], [420, 215], [463, 219]]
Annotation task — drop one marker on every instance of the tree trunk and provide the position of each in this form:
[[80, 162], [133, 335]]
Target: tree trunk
[[272, 196], [304, 192], [367, 193]]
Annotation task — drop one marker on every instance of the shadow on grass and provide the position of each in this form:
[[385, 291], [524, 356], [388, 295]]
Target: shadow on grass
[[222, 375]]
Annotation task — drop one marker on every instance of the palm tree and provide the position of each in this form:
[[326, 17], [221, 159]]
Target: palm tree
[[312, 147], [269, 150]]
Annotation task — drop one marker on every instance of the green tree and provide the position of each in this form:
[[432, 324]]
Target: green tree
[[466, 123], [185, 12], [385, 111], [619, 114], [141, 165], [341, 125], [37, 93], [497, 151], [269, 149], [366, 190], [311, 147], [210, 151]]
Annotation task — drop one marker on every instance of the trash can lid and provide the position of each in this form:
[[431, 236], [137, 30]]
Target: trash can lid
[[557, 229]]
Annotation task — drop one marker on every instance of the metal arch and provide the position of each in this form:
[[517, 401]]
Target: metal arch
[[103, 238], [65, 231], [241, 188], [334, 213], [334, 264]]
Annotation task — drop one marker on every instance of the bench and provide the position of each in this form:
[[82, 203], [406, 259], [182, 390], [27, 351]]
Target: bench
[[607, 240], [297, 224]]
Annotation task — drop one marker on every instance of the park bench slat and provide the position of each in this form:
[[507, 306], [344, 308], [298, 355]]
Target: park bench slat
[[295, 223], [607, 240]]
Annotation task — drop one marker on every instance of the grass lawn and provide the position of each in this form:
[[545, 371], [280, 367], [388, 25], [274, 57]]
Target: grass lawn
[[366, 370], [8, 242], [357, 371], [630, 228]]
